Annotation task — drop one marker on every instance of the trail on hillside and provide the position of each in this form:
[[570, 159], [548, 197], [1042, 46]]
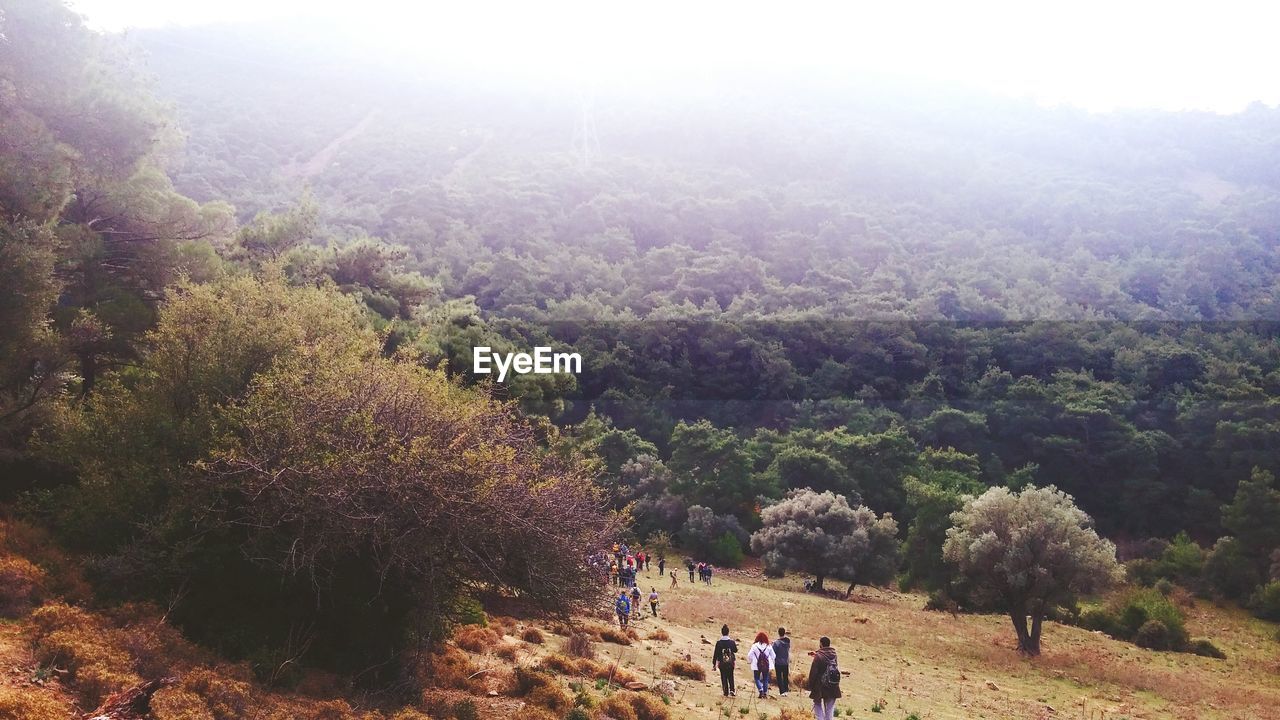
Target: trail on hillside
[[325, 156]]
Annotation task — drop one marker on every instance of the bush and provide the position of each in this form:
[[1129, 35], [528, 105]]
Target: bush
[[1164, 587], [617, 706], [70, 638], [1153, 635], [615, 636], [660, 635], [22, 585], [650, 707], [1228, 571], [1266, 601], [1182, 561], [31, 704], [1126, 614], [541, 690], [449, 667], [685, 669], [1205, 648], [1142, 571], [532, 635], [579, 645], [476, 639]]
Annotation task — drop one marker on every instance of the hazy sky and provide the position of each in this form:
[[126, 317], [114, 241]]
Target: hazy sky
[[1219, 55]]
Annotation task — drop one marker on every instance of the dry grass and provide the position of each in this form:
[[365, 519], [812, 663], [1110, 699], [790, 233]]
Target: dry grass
[[28, 703], [615, 636], [451, 668], [532, 635], [685, 669], [22, 586], [633, 706], [541, 690], [476, 639], [660, 635]]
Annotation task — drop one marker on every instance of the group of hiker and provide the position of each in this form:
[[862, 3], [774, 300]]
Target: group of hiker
[[625, 564], [627, 606], [766, 657], [703, 569]]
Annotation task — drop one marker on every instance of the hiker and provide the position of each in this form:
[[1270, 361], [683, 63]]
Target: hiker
[[782, 662], [688, 563], [824, 680], [708, 573], [673, 580], [662, 566], [723, 657], [761, 658], [613, 574], [640, 560], [622, 606], [635, 601], [653, 601]]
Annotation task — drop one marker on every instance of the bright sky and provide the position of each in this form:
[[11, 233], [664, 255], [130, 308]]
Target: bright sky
[[1219, 55]]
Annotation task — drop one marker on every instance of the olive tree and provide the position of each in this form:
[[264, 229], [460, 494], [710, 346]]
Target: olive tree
[[820, 534], [1028, 551]]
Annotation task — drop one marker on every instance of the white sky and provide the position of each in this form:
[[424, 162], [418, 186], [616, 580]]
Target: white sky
[[1219, 55]]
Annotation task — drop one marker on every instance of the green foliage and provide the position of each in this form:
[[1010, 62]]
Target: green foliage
[[1227, 570], [1266, 601], [1143, 616], [1253, 516], [1181, 561], [1205, 648], [725, 550]]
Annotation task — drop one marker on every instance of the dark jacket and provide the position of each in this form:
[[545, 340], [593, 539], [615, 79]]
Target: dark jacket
[[722, 643], [819, 691], [782, 651]]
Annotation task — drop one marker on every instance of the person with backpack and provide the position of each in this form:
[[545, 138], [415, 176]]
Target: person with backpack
[[653, 601], [688, 563], [635, 601], [782, 662], [824, 680], [662, 566], [622, 606], [708, 573], [723, 657], [761, 658]]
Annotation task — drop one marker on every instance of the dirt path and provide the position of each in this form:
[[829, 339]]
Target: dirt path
[[324, 158]]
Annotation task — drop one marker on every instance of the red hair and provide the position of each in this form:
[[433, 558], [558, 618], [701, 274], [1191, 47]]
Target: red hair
[[761, 637]]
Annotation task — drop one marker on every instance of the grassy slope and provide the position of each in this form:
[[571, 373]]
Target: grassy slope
[[938, 665]]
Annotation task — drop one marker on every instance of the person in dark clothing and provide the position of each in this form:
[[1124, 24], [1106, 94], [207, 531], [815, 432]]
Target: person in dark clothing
[[782, 661], [723, 657], [662, 566], [824, 680], [689, 564]]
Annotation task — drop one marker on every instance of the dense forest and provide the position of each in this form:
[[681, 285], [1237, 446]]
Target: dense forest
[[221, 244], [838, 282]]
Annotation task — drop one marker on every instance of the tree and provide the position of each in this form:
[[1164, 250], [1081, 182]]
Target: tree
[[820, 534], [1253, 517], [1029, 551], [712, 468], [719, 537]]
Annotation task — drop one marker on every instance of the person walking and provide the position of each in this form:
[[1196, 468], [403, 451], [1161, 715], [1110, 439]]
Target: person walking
[[673, 580], [622, 606], [782, 662], [662, 566], [708, 573], [653, 601], [635, 602], [688, 563], [824, 680], [761, 658], [723, 657]]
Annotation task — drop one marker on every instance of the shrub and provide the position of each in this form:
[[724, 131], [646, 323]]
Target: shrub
[[31, 704], [650, 707], [1153, 635], [541, 690], [70, 638], [1182, 561], [579, 645], [1164, 587], [1205, 648], [21, 585], [660, 635], [507, 652], [1142, 571], [174, 703], [532, 635], [615, 636], [1228, 571], [1266, 601], [476, 639], [617, 706], [685, 669], [226, 698], [726, 550], [1127, 613], [449, 667], [577, 714], [614, 673]]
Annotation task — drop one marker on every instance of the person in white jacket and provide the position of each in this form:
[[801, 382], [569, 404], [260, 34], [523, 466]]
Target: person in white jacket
[[761, 658]]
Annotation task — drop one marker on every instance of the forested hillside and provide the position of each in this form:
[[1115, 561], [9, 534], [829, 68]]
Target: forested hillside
[[859, 330], [834, 275]]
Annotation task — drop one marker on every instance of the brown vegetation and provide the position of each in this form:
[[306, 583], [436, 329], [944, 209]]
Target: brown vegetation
[[685, 669], [532, 635]]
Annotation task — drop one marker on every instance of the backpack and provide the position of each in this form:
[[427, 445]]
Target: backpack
[[726, 655], [762, 662], [831, 677]]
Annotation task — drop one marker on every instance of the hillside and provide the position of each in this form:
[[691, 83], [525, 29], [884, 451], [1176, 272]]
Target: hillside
[[898, 657]]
